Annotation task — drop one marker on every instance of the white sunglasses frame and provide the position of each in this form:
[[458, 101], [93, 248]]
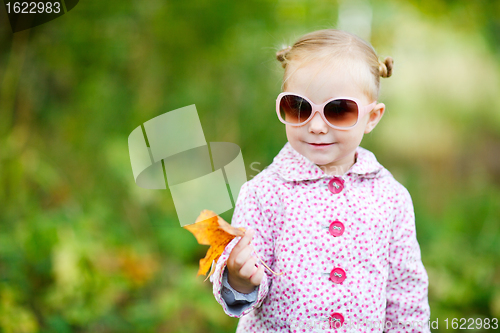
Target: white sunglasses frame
[[362, 110]]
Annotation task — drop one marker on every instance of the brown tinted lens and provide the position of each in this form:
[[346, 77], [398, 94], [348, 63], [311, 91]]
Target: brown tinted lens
[[342, 112], [294, 109]]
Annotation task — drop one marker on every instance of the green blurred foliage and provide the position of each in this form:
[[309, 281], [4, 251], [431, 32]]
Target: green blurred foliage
[[83, 249]]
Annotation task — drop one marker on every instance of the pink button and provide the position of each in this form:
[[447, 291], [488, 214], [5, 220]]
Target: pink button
[[336, 228], [337, 275], [336, 320], [336, 185]]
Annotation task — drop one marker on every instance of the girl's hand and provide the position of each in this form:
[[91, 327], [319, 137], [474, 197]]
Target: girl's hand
[[243, 273]]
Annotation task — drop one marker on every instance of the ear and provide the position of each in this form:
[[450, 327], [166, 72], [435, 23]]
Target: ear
[[374, 117]]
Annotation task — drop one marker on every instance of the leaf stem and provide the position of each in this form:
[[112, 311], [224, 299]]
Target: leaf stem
[[263, 263]]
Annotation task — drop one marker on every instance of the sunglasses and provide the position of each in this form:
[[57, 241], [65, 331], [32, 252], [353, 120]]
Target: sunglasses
[[340, 113]]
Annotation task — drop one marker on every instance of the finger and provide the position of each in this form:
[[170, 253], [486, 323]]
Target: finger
[[248, 268], [246, 253], [242, 257], [244, 241], [256, 278], [240, 245]]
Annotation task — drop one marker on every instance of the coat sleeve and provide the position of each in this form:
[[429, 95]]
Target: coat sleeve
[[248, 213], [407, 303]]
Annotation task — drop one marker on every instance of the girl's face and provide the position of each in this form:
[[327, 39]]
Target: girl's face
[[338, 156]]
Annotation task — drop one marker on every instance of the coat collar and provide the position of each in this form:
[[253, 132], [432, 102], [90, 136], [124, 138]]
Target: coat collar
[[293, 166]]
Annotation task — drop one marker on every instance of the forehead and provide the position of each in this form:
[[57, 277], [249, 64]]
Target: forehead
[[321, 80]]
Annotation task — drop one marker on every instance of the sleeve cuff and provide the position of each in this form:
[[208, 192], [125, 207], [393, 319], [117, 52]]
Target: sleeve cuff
[[232, 296]]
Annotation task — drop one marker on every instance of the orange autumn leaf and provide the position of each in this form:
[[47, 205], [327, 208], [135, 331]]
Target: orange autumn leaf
[[211, 229]]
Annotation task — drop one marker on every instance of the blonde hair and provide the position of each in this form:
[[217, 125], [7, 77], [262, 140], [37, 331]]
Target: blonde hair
[[337, 47]]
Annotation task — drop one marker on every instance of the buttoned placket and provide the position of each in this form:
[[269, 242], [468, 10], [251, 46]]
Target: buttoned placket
[[338, 186]]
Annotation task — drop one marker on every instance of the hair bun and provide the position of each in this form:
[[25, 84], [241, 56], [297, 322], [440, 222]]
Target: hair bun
[[281, 55], [385, 68]]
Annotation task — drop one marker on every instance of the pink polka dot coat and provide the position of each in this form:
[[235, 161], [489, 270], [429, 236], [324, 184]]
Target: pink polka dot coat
[[364, 275]]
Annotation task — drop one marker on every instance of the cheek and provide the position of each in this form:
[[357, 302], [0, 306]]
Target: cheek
[[352, 137], [365, 125], [292, 133]]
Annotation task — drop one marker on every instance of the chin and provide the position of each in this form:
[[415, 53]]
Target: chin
[[320, 161]]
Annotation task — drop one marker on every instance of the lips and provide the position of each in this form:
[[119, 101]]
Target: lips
[[320, 146]]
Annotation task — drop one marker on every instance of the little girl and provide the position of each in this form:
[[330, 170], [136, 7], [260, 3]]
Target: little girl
[[336, 230]]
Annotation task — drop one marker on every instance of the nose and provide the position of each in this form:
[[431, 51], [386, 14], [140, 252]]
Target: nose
[[317, 124]]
